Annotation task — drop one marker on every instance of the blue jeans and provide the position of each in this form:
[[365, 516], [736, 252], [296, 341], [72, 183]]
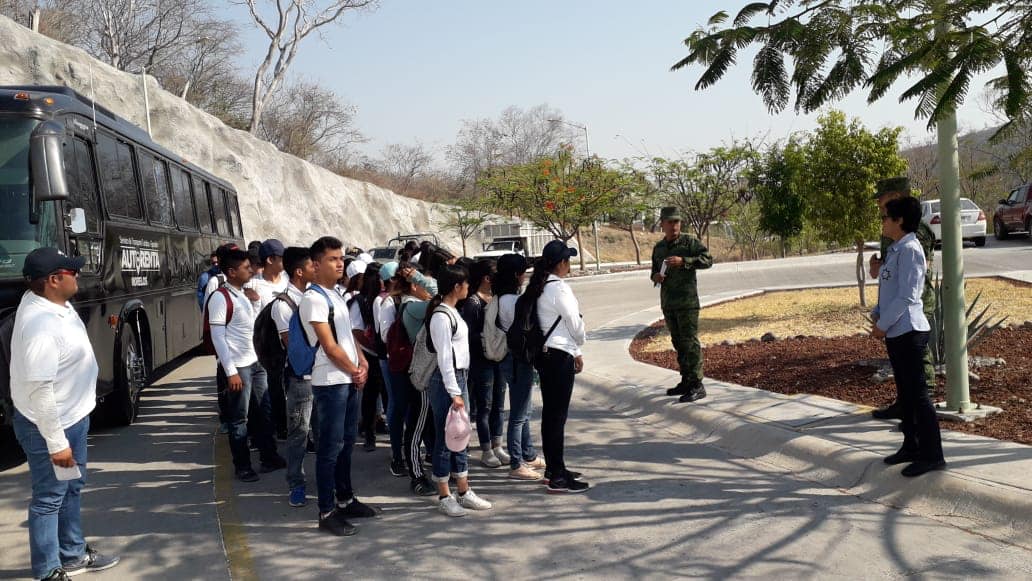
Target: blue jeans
[[299, 415], [446, 462], [488, 387], [520, 377], [255, 381], [337, 409], [55, 527]]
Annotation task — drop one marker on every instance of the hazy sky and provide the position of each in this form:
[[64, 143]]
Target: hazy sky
[[416, 68]]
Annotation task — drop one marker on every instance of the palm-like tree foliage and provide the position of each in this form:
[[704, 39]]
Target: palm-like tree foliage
[[836, 46]]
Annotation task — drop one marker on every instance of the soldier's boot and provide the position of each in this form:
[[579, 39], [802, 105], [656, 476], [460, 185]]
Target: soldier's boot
[[696, 393], [680, 389]]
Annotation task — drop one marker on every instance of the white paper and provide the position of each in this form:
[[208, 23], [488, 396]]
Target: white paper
[[662, 269], [63, 473]]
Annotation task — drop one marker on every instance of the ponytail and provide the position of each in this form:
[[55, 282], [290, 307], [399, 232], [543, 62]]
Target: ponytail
[[536, 286]]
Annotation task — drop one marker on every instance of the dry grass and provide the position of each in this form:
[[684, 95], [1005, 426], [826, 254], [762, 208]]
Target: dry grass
[[830, 313], [615, 245]]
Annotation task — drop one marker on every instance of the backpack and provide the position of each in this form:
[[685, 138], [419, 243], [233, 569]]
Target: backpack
[[524, 338], [208, 346], [6, 336], [370, 339], [424, 356], [493, 337], [399, 348], [301, 355], [267, 342]]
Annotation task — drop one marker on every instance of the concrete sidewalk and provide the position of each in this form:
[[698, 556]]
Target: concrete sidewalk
[[985, 488]]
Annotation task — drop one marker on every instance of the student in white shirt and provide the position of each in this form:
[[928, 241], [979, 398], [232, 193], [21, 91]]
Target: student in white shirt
[[53, 386], [298, 390], [363, 325], [449, 335], [338, 375], [232, 336], [560, 361], [272, 281]]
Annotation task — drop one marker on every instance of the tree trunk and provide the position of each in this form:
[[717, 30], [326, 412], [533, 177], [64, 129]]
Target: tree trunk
[[784, 247], [861, 276], [580, 247], [637, 247], [464, 247]]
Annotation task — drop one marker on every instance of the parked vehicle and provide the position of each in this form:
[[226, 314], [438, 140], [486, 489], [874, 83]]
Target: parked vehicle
[[514, 238], [389, 251], [1014, 213], [75, 176], [972, 220]]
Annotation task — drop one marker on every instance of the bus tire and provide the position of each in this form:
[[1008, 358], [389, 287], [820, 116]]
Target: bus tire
[[131, 375]]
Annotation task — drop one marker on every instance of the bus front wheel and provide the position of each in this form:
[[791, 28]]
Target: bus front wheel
[[124, 403]]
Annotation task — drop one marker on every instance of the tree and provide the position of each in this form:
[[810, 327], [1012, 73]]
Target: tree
[[744, 222], [780, 205], [466, 219], [833, 46], [403, 164], [291, 23], [311, 122], [634, 202], [843, 161]]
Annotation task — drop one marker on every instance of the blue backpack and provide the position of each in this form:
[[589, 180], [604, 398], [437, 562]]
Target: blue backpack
[[301, 355]]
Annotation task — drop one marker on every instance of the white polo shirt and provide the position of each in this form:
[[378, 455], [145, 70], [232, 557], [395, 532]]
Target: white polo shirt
[[267, 289], [313, 308], [53, 369], [237, 348]]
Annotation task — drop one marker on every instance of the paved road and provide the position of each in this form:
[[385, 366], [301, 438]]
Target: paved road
[[661, 506]]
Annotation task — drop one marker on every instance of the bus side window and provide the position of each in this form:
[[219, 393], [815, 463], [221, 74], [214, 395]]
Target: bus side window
[[184, 209], [117, 167], [203, 209], [234, 214], [82, 193], [218, 206], [154, 176]]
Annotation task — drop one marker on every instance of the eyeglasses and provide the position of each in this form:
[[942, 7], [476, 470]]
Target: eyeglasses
[[69, 272]]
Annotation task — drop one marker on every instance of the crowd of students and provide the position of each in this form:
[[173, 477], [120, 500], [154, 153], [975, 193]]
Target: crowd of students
[[320, 346]]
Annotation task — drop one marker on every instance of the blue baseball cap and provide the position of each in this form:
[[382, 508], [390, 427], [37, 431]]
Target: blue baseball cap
[[270, 247], [388, 270]]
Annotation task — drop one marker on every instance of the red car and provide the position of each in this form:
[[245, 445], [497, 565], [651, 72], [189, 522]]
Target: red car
[[1014, 213]]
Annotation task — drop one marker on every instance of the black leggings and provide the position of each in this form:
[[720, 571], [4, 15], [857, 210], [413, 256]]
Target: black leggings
[[373, 389], [556, 371]]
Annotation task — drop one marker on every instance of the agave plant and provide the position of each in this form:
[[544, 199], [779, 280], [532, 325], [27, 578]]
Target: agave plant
[[978, 329]]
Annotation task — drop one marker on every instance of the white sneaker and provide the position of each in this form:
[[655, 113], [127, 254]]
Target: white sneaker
[[471, 501], [450, 506], [489, 459], [499, 453]]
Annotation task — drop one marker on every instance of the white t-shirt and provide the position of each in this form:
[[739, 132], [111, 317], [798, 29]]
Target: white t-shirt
[[238, 348], [267, 289], [53, 369], [452, 348], [314, 308], [385, 312], [213, 283], [507, 310], [282, 312]]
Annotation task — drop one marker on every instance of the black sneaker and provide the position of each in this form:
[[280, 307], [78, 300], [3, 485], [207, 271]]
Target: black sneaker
[[399, 469], [567, 486], [921, 466], [900, 457], [335, 524], [370, 443], [422, 487], [90, 562], [892, 412], [56, 575], [246, 475], [693, 395], [570, 474], [357, 509], [272, 465]]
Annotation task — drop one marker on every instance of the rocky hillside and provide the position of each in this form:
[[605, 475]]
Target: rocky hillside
[[280, 195]]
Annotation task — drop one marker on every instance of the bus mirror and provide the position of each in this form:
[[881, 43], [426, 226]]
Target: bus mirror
[[77, 221], [48, 176]]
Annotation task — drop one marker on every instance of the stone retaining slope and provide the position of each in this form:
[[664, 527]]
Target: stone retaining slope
[[985, 488], [280, 195]]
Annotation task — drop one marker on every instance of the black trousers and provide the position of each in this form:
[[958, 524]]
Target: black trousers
[[278, 399], [921, 437], [556, 371], [374, 388], [220, 391]]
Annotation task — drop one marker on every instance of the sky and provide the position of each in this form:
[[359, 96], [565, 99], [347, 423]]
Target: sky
[[416, 68]]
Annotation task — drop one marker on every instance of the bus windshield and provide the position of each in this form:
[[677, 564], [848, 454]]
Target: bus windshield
[[18, 235]]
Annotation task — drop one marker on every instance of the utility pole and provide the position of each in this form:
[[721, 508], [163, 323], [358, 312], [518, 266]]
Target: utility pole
[[594, 223]]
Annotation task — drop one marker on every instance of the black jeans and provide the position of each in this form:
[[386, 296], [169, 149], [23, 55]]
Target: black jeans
[[921, 437], [255, 381], [373, 389], [278, 398], [556, 370]]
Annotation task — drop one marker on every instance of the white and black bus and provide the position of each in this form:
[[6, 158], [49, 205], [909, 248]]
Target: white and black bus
[[75, 176]]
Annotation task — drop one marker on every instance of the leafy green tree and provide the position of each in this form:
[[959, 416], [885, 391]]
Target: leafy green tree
[[781, 206], [466, 218], [633, 204], [843, 161]]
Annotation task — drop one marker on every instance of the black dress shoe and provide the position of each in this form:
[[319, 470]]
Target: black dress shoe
[[693, 395], [892, 412], [921, 466], [900, 457]]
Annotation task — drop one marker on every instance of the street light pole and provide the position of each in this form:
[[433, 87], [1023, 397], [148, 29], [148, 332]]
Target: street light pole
[[587, 150]]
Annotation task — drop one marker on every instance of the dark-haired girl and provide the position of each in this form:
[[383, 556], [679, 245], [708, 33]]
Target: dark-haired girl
[[363, 325]]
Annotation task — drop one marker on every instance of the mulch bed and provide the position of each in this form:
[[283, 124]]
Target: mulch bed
[[829, 367]]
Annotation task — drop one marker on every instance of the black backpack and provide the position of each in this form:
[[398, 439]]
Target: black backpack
[[525, 338], [267, 344]]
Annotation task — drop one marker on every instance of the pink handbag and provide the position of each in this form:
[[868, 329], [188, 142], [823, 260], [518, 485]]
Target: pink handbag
[[457, 429]]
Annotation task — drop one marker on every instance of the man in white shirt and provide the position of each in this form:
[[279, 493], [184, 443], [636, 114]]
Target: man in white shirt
[[338, 374], [53, 385], [271, 282], [232, 333]]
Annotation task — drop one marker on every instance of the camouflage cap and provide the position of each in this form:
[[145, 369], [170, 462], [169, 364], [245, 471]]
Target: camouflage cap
[[670, 213], [894, 185]]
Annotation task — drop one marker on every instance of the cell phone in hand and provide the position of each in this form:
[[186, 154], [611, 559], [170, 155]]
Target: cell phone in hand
[[63, 473]]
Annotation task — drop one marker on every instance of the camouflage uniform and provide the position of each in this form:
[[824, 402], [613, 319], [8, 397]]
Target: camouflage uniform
[[679, 299], [927, 239]]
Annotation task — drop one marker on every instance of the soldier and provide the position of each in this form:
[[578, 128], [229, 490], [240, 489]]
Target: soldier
[[675, 259], [890, 189]]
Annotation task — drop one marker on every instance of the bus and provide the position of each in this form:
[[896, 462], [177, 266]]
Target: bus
[[75, 176]]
